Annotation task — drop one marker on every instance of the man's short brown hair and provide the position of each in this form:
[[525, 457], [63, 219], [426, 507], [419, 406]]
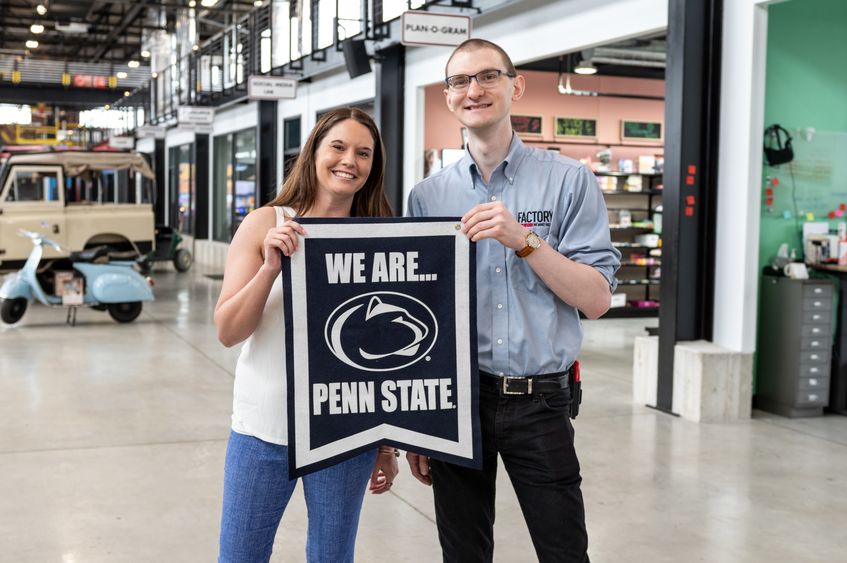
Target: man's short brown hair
[[476, 44]]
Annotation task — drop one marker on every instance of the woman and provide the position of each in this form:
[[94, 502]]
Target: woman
[[338, 174]]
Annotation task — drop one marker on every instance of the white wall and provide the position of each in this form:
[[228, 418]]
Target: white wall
[[740, 173], [549, 29]]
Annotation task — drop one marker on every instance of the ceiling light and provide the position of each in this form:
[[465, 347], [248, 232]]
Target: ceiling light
[[564, 87], [36, 28], [192, 4], [133, 64], [121, 74], [107, 106], [585, 67], [195, 47], [145, 53], [126, 93], [208, 3], [32, 44], [154, 75], [41, 9], [258, 3]]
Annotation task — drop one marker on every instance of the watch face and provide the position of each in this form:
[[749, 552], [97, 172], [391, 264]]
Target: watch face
[[533, 240]]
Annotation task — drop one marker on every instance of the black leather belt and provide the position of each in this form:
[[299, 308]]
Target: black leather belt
[[533, 385]]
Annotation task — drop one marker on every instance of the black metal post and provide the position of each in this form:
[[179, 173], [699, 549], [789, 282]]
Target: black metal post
[[267, 151], [388, 110], [201, 186], [692, 94], [160, 171]]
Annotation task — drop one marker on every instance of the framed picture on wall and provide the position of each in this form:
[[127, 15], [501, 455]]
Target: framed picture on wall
[[575, 128], [641, 131], [527, 125]]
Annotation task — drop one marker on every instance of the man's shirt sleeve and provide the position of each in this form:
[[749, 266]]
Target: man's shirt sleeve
[[415, 207], [584, 233]]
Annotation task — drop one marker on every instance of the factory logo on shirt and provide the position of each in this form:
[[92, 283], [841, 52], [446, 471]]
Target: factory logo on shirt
[[539, 218]]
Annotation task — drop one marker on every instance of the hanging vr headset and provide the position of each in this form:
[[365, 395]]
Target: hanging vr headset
[[777, 150]]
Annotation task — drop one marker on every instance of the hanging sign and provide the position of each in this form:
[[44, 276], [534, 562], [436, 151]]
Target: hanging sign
[[429, 28], [149, 132], [122, 142], [380, 341], [194, 115], [271, 88]]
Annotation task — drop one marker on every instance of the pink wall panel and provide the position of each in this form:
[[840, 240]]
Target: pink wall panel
[[542, 98]]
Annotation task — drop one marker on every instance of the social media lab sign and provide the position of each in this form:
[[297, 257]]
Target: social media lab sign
[[380, 341]]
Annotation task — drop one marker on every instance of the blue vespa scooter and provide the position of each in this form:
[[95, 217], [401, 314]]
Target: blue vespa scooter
[[113, 286]]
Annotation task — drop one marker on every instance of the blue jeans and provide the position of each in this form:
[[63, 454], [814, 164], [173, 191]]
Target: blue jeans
[[257, 490]]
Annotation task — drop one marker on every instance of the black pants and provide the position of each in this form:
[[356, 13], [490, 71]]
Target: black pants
[[534, 437]]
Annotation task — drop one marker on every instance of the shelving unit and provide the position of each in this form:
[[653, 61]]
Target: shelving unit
[[638, 277]]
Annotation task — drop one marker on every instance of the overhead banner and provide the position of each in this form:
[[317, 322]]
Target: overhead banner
[[380, 341]]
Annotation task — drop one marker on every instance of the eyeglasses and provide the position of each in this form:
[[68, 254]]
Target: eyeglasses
[[485, 78]]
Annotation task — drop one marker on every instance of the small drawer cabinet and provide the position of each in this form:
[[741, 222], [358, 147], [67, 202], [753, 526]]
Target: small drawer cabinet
[[795, 346]]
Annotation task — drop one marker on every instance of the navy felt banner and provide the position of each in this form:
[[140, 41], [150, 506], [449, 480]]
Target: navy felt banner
[[380, 341]]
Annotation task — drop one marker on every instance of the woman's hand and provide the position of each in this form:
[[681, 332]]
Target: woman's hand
[[280, 239], [385, 471]]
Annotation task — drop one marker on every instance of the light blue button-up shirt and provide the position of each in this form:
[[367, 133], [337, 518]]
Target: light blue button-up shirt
[[523, 328]]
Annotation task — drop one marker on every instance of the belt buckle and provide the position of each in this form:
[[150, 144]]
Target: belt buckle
[[504, 387]]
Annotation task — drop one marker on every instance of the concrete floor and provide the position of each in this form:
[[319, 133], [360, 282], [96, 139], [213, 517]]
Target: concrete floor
[[114, 435]]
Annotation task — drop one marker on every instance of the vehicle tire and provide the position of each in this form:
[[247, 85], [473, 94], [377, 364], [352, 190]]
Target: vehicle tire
[[182, 260], [125, 312], [12, 310]]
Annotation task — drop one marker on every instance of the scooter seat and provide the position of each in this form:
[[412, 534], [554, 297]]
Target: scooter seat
[[98, 253]]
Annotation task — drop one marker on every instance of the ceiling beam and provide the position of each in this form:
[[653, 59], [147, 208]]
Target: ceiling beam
[[133, 13]]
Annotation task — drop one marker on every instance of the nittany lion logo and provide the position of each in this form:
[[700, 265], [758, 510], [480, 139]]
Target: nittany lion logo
[[381, 331]]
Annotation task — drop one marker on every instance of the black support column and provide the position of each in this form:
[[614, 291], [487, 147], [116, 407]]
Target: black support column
[[692, 83], [267, 151], [160, 170], [388, 110], [201, 185]]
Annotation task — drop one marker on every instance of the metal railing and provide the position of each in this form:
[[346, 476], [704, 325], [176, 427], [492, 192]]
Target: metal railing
[[218, 70]]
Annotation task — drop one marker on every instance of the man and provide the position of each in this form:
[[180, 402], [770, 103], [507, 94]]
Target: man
[[543, 252]]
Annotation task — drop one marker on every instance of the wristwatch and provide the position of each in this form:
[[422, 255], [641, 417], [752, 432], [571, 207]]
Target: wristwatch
[[533, 241]]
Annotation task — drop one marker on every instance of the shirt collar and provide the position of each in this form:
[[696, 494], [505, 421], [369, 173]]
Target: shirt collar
[[517, 151]]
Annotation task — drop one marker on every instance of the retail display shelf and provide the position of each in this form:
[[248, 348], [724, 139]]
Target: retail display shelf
[[638, 282], [640, 265], [617, 244], [625, 174], [631, 312], [631, 192], [630, 228]]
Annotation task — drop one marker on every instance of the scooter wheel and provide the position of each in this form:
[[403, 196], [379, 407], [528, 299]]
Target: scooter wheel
[[182, 260], [125, 312], [12, 310]]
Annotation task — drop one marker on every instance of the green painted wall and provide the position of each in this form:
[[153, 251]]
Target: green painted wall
[[806, 86]]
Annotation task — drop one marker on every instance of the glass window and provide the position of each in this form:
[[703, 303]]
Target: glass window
[[394, 8], [281, 33], [34, 186], [290, 143], [326, 13], [181, 187], [349, 19], [244, 175], [222, 189]]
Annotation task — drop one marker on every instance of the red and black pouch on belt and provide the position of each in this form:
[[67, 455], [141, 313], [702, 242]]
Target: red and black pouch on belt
[[575, 383]]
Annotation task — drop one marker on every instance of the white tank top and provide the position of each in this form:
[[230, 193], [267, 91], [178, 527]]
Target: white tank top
[[259, 395]]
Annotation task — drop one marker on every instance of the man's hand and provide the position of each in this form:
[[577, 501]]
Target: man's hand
[[419, 464], [493, 220]]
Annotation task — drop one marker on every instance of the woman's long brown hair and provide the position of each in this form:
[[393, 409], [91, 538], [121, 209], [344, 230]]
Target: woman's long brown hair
[[301, 186]]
